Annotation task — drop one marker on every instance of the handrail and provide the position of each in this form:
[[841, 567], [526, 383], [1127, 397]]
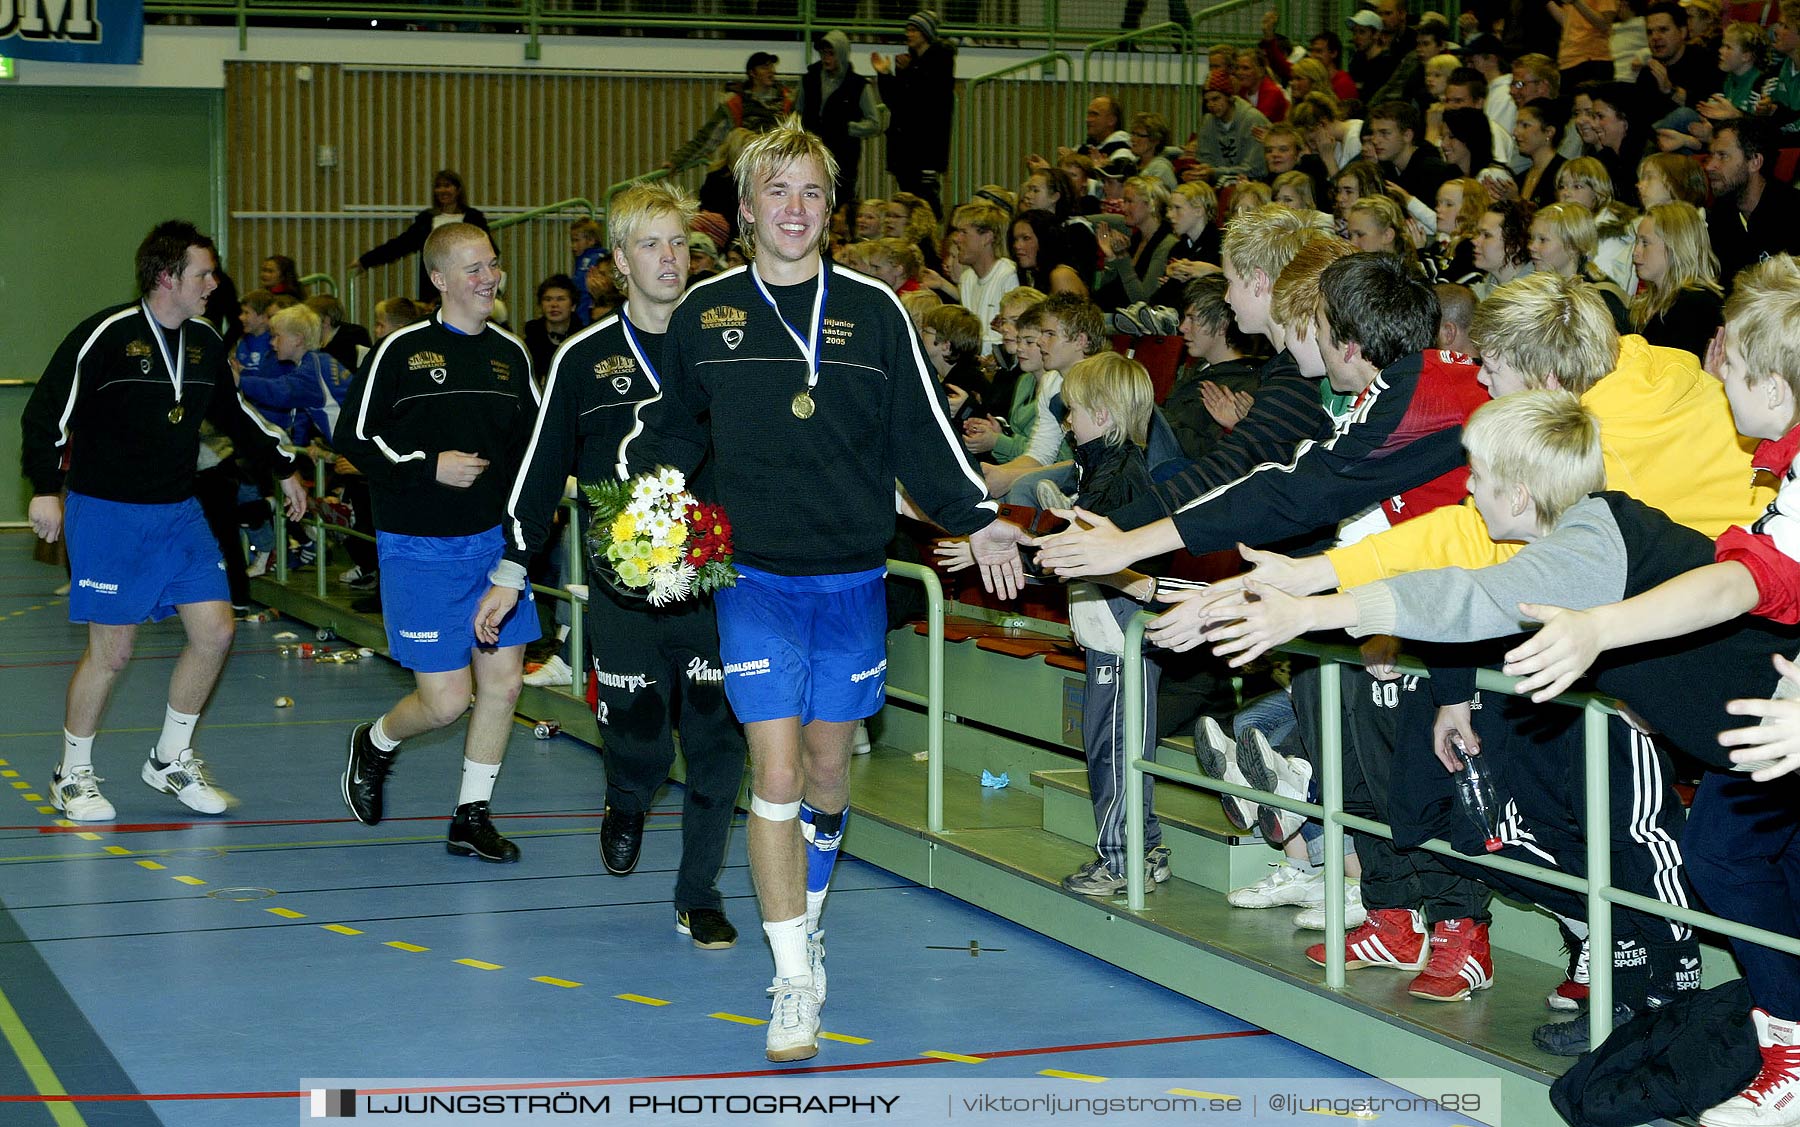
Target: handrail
[[965, 108], [326, 280], [1187, 81], [533, 16], [547, 209], [933, 700], [1596, 887], [612, 190]]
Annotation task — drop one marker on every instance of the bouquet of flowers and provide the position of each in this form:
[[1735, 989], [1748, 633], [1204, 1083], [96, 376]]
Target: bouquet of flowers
[[650, 539]]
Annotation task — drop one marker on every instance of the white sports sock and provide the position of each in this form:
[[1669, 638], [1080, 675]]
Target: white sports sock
[[815, 907], [787, 938], [177, 735], [379, 737], [477, 782], [78, 751]]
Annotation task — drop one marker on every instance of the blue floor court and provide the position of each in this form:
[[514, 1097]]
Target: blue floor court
[[207, 968]]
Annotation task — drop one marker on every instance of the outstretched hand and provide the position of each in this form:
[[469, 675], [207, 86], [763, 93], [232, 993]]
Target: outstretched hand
[[1260, 618], [1774, 745], [1092, 545], [1556, 656], [996, 549]]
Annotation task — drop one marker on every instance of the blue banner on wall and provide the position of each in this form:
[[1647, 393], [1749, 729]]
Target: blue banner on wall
[[73, 31]]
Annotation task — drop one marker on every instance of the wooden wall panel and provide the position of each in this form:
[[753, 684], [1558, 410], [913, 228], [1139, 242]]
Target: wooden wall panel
[[520, 140]]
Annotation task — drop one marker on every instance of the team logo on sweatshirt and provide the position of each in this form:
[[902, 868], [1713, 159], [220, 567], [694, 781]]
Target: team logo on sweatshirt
[[439, 375], [137, 348], [733, 338], [615, 365], [419, 361], [502, 370], [724, 317]]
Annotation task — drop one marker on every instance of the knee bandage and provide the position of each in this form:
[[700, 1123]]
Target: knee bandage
[[822, 832], [774, 811]]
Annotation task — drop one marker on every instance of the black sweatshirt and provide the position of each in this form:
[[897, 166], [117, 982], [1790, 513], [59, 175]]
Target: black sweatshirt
[[808, 496], [106, 401], [429, 388], [596, 389]]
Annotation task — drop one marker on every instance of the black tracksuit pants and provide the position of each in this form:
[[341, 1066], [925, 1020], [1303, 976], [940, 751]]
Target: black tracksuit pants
[[658, 671]]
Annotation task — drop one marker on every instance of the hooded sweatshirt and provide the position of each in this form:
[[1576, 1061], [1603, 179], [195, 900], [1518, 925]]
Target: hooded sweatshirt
[[1667, 438]]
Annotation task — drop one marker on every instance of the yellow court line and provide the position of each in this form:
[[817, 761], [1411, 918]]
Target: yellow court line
[[740, 1019], [340, 929], [38, 798], [46, 810], [563, 982], [1082, 1076], [9, 774], [43, 1077], [844, 1037], [1201, 1095], [286, 913], [65, 823], [86, 835], [641, 1000], [190, 880], [117, 851], [399, 946], [152, 865], [21, 785], [957, 1057], [479, 965]]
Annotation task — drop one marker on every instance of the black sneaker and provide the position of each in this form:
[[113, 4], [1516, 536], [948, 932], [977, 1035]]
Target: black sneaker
[[365, 774], [1570, 1038], [368, 581], [621, 836], [473, 835], [710, 929]]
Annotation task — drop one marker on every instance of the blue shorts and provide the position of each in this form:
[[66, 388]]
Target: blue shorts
[[430, 587], [812, 646], [128, 563]]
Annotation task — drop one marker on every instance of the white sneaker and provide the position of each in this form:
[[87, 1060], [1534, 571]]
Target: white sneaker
[[553, 672], [350, 575], [861, 744], [793, 1020], [259, 564], [78, 795], [1286, 885], [815, 962], [187, 780], [1217, 755], [1278, 774], [1773, 1098], [1355, 915]]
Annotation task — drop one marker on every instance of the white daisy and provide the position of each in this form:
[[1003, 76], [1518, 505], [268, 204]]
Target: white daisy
[[670, 480]]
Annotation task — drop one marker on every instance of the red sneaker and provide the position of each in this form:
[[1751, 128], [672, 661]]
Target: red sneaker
[[1392, 937], [1460, 962], [1571, 995]]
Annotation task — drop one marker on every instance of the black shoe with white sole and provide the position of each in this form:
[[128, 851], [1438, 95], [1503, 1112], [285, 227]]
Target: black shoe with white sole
[[473, 835]]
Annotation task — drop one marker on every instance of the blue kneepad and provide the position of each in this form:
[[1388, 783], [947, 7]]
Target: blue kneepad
[[822, 832]]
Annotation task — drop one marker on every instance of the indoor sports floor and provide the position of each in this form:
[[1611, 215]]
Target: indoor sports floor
[[206, 967]]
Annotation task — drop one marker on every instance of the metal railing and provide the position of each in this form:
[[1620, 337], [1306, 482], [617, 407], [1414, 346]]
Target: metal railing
[[973, 127], [1018, 22], [1597, 887], [1121, 58], [320, 281]]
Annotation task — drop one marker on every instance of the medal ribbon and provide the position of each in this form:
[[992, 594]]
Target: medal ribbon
[[637, 350], [177, 367], [810, 351]]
